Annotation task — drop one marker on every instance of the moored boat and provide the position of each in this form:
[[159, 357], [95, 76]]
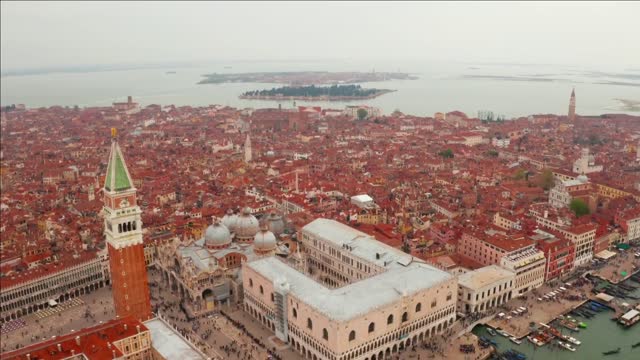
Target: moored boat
[[491, 331], [569, 325], [582, 325], [572, 340], [566, 346], [635, 345], [515, 340], [503, 333], [534, 341]]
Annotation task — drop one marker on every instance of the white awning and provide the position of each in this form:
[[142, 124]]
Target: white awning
[[605, 254], [604, 297]]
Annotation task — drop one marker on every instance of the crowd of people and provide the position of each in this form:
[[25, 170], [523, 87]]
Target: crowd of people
[[257, 342]]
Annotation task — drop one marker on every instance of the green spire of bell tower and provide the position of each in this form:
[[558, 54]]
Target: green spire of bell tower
[[118, 178]]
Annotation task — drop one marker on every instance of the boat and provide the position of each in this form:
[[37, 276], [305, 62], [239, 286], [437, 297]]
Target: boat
[[491, 332], [566, 346], [611, 352], [635, 345], [534, 341], [515, 340], [503, 333], [540, 338], [572, 340], [582, 325], [569, 324]]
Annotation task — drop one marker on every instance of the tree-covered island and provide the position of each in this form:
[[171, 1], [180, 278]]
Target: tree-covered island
[[312, 92]]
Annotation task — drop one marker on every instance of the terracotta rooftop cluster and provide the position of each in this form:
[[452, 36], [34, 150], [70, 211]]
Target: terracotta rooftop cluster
[[187, 164]]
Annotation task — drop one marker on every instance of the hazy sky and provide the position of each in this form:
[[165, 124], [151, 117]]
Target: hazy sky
[[50, 34]]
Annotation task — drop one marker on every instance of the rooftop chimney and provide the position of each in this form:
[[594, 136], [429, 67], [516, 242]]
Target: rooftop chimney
[[28, 356], [78, 340], [129, 99], [125, 327], [73, 352], [109, 345], [546, 214], [59, 347], [113, 352], [138, 328]]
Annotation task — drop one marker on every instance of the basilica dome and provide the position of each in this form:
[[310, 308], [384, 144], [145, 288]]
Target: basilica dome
[[275, 224], [264, 241], [246, 226], [229, 220], [217, 236]]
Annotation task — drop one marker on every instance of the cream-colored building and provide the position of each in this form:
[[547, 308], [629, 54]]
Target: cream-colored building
[[349, 297], [529, 266], [586, 163], [484, 288], [563, 192], [25, 293]]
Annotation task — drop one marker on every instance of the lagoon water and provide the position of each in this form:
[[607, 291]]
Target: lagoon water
[[508, 89], [602, 334]]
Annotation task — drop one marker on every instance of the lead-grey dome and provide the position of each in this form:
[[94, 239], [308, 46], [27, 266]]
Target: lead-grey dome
[[229, 220], [264, 241], [275, 224], [246, 226], [217, 235]]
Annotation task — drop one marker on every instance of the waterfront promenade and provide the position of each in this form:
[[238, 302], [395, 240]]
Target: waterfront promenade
[[539, 311], [623, 263], [546, 311]]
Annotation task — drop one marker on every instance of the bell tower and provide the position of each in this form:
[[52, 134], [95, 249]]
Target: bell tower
[[247, 150], [123, 231], [572, 106]]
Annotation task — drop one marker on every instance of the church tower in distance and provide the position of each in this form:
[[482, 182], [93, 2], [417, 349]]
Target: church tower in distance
[[123, 231], [572, 106], [248, 155]]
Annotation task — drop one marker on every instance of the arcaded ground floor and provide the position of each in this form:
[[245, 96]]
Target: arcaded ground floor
[[71, 315]]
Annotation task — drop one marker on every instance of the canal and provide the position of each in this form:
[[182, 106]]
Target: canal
[[602, 334]]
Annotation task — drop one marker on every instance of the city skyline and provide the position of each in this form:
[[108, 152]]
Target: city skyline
[[374, 181]]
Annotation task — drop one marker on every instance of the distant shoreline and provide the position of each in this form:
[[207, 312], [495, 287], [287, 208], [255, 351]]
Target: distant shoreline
[[314, 98], [300, 78]]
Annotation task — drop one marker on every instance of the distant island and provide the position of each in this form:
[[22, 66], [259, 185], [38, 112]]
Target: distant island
[[302, 78], [312, 92]]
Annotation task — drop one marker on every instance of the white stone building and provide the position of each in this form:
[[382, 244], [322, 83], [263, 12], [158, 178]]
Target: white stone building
[[529, 266], [484, 288], [350, 297], [563, 192], [586, 163]]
